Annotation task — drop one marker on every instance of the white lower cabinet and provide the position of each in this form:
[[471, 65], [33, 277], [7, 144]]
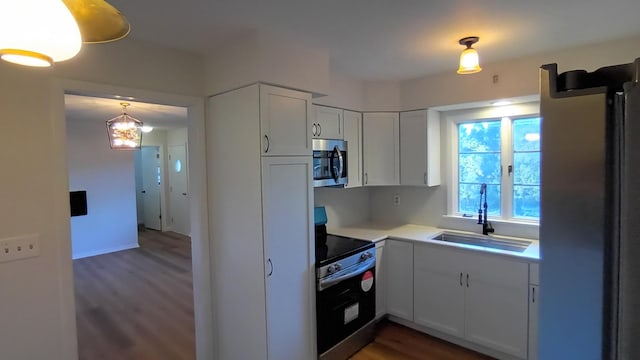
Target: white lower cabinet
[[398, 258], [534, 298], [480, 298], [287, 198], [438, 290], [381, 307]]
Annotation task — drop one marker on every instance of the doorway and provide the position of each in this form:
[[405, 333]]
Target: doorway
[[148, 187], [137, 299]]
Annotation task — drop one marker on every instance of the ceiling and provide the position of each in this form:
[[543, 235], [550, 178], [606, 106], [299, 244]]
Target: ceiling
[[100, 109], [388, 39]]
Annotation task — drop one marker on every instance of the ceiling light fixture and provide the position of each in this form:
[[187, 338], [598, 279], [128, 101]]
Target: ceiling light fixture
[[42, 32], [501, 103], [469, 61], [147, 129], [125, 132]]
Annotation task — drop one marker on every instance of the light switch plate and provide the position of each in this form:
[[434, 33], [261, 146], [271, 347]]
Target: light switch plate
[[19, 247]]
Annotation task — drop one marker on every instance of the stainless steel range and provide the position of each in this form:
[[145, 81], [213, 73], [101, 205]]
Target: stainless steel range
[[345, 292]]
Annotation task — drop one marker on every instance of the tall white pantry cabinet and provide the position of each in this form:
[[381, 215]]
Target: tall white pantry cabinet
[[260, 197]]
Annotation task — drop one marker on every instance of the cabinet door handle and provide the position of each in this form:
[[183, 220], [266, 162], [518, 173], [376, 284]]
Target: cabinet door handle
[[339, 131], [270, 268], [266, 137], [533, 295], [460, 279], [366, 178], [425, 178], [319, 129], [314, 129], [467, 280]]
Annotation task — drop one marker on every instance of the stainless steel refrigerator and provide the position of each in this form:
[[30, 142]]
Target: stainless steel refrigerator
[[590, 213]]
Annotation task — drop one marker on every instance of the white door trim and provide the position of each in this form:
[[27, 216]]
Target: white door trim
[[202, 286]]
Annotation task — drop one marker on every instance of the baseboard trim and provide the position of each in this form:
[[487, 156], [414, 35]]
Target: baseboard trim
[[104, 251]]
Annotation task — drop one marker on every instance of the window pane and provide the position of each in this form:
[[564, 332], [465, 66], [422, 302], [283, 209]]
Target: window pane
[[479, 162], [526, 201], [479, 168], [526, 168], [469, 199], [479, 137], [526, 134]]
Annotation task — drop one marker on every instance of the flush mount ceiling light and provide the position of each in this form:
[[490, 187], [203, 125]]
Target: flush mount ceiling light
[[469, 61], [125, 132], [42, 32], [147, 129]]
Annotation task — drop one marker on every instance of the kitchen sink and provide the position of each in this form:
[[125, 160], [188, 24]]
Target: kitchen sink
[[484, 241]]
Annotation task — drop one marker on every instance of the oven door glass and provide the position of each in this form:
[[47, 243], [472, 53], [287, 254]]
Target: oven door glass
[[344, 308]]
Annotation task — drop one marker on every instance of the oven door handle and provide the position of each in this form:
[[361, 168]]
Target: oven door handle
[[357, 270]]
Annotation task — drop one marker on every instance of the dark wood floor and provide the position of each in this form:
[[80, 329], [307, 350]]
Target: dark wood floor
[[137, 304], [396, 342]]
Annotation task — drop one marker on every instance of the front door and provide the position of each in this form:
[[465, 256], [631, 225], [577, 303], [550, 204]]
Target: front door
[[178, 189], [151, 179]]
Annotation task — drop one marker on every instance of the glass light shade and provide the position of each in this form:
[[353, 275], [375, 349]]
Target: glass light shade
[[37, 32], [469, 61], [125, 133]]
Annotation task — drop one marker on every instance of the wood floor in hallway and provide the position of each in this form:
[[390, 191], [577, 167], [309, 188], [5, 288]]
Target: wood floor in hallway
[[137, 304], [397, 342]]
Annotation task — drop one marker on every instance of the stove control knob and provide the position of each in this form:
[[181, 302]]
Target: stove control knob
[[338, 266], [365, 256], [331, 269]]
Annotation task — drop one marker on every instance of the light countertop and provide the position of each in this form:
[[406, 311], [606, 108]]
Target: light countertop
[[424, 234]]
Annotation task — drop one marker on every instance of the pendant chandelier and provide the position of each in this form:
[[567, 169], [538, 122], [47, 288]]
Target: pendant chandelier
[[42, 32], [125, 132]]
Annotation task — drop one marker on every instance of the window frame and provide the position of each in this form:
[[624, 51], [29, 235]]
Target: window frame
[[505, 114]]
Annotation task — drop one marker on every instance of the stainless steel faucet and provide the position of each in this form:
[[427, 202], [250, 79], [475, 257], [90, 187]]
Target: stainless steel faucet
[[482, 210]]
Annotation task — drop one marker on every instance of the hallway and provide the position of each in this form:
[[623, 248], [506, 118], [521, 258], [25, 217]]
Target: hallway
[[137, 304]]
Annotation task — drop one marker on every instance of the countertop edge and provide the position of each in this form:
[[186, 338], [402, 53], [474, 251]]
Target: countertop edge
[[423, 234]]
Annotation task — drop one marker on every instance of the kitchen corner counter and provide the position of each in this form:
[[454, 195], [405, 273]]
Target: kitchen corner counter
[[425, 234]]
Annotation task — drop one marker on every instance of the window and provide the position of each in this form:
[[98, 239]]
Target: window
[[501, 151]]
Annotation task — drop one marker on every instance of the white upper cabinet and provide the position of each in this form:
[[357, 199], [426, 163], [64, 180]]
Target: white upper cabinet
[[381, 148], [353, 136], [285, 121], [420, 148], [327, 123]]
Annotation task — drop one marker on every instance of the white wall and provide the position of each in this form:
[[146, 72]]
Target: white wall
[[344, 206], [518, 77], [37, 294], [259, 57], [344, 92], [382, 96], [108, 176]]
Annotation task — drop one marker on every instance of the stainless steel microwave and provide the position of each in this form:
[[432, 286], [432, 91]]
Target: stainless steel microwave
[[329, 163]]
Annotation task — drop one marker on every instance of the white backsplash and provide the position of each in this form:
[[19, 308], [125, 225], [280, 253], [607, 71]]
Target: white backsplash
[[344, 206]]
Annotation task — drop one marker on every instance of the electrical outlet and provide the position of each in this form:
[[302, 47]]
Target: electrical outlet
[[20, 247], [396, 199]]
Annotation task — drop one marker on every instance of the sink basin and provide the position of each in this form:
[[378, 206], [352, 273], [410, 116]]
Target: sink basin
[[484, 241]]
